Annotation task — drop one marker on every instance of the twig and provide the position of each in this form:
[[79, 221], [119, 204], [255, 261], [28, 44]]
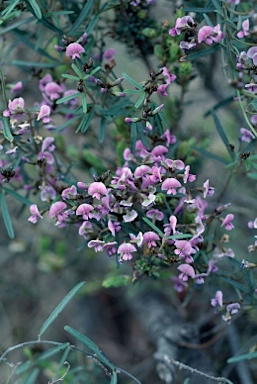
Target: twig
[[195, 371]]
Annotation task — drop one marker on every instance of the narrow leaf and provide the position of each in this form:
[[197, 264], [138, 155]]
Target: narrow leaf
[[6, 215], [206, 153], [90, 344], [22, 63], [82, 16], [67, 76], [53, 351], [14, 194], [235, 284], [181, 236], [32, 377], [6, 129], [60, 307], [67, 98], [139, 101], [87, 120], [84, 103], [76, 69], [10, 7], [153, 226], [36, 8], [132, 81], [92, 72], [102, 129], [16, 25], [202, 53], [246, 356], [222, 134], [92, 24]]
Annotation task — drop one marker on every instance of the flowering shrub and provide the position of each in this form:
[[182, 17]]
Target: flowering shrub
[[146, 206]]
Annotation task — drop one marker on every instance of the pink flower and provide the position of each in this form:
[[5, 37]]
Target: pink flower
[[69, 193], [182, 24], [187, 176], [217, 300], [170, 185], [227, 222], [155, 214], [130, 216], [74, 50], [245, 31], [114, 227], [53, 90], [207, 191], [125, 251], [35, 214], [184, 249], [17, 87], [44, 114], [179, 285], [210, 34], [56, 209], [109, 54], [85, 211], [150, 238], [170, 226], [187, 271], [97, 189], [96, 244], [170, 139], [246, 135], [15, 107]]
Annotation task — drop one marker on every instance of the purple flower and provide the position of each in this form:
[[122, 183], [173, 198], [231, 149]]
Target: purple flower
[[114, 226], [46, 79], [35, 214], [208, 191], [53, 90], [44, 114], [74, 50], [182, 24], [179, 285], [246, 135], [125, 251], [97, 189], [83, 229], [210, 34], [171, 226], [170, 185], [227, 222], [15, 106], [170, 139], [56, 209], [96, 244], [17, 87], [85, 210], [218, 299], [187, 45], [138, 240], [155, 214], [184, 250], [109, 54], [187, 176], [69, 193], [252, 54], [110, 248], [187, 271], [245, 31], [150, 238], [233, 308], [47, 192]]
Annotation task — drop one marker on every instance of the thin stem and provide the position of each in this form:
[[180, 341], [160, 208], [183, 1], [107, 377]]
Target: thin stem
[[244, 113], [169, 360]]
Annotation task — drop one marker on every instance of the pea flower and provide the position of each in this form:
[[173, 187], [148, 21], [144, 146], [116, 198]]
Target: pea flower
[[96, 244], [186, 271], [217, 300], [210, 34], [35, 214], [85, 211], [170, 185], [125, 251], [44, 114], [227, 222], [182, 24], [246, 135], [74, 50], [97, 189], [245, 31], [150, 238], [109, 54]]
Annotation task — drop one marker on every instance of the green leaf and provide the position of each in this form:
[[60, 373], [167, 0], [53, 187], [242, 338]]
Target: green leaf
[[222, 134], [10, 7], [202, 53], [6, 129], [132, 81], [17, 196], [246, 356], [92, 24], [86, 122], [153, 226], [84, 103], [252, 175], [116, 281], [90, 344], [139, 101], [60, 307], [6, 215], [76, 69], [68, 123], [67, 98], [92, 72], [32, 377], [206, 153], [67, 76], [254, 104], [102, 130], [181, 236], [235, 284], [36, 64], [16, 25], [82, 16], [53, 351], [36, 8]]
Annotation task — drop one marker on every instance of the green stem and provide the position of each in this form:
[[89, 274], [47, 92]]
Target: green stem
[[245, 116]]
